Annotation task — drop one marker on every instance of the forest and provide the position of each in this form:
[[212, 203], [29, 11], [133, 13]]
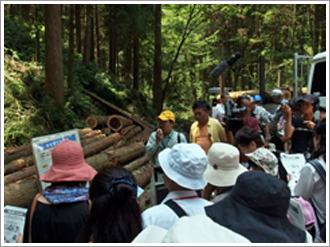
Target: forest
[[142, 58]]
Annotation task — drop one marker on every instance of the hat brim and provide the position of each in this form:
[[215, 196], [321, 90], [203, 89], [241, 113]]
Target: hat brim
[[189, 183], [80, 172], [221, 177], [151, 234]]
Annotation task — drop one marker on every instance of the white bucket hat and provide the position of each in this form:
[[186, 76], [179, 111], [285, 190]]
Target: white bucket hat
[[223, 165], [185, 164], [192, 229], [265, 159]]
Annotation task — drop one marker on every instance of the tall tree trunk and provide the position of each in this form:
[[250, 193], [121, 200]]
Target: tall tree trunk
[[323, 27], [97, 33], [78, 28], [53, 53], [71, 45], [92, 47], [88, 36], [37, 38], [157, 88], [136, 61], [112, 51], [25, 12]]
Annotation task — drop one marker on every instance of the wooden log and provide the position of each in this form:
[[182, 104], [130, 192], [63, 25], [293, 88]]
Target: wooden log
[[18, 164], [144, 200], [12, 153], [97, 121], [132, 132], [121, 111], [137, 163], [21, 193], [142, 136], [91, 134], [84, 131], [126, 154], [19, 175], [107, 131], [117, 122], [97, 146], [98, 161], [143, 175], [125, 130], [97, 137]]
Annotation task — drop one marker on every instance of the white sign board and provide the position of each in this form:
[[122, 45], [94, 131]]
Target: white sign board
[[293, 164], [42, 146], [14, 221]]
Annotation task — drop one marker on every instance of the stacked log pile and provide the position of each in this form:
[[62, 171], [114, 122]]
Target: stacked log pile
[[122, 143]]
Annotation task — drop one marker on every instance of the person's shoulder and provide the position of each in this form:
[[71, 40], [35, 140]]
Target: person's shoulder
[[194, 124]]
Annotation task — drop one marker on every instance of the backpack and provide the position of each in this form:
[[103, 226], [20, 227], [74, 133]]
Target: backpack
[[318, 167]]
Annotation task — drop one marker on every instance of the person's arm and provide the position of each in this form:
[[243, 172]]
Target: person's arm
[[222, 133], [305, 184], [267, 137], [208, 190], [288, 128], [152, 146]]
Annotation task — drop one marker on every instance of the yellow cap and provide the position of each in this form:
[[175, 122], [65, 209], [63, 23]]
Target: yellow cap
[[166, 115]]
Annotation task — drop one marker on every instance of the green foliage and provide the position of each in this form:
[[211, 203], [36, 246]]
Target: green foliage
[[17, 37]]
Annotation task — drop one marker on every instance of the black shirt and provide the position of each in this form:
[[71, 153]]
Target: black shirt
[[301, 140]]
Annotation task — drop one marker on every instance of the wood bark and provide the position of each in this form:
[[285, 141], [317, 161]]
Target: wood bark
[[132, 132], [125, 130], [97, 137], [97, 121], [142, 136], [90, 134], [18, 164], [53, 53], [144, 200], [11, 154], [137, 163], [117, 122], [98, 161], [78, 28], [127, 153], [157, 87], [71, 45], [88, 35], [97, 146], [19, 175], [119, 110], [84, 131], [143, 175], [21, 193]]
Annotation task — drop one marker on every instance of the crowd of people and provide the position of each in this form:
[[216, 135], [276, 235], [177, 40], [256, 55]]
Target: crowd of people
[[222, 186]]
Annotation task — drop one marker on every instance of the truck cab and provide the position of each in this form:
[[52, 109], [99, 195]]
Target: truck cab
[[317, 78]]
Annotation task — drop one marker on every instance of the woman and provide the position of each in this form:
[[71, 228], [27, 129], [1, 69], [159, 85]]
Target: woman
[[310, 186], [59, 213], [115, 215]]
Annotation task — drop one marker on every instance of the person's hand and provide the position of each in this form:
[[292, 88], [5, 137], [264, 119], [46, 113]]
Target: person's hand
[[310, 124], [279, 127], [266, 144], [159, 135], [288, 177], [19, 238], [286, 111]]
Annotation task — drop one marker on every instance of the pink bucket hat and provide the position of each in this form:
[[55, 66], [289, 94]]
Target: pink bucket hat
[[68, 164]]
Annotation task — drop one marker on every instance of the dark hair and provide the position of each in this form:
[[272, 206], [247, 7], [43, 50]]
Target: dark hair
[[115, 216], [67, 184], [223, 95], [320, 130], [201, 104], [246, 135], [240, 98]]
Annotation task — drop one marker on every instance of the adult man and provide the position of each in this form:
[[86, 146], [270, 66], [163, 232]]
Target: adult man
[[300, 128], [205, 130], [183, 167], [219, 110], [163, 137], [264, 118]]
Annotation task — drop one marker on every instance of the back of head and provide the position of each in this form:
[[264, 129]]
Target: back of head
[[193, 229], [321, 131], [115, 215], [246, 135]]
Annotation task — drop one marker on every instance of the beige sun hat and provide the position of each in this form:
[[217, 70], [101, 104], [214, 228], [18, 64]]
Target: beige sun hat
[[223, 165]]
